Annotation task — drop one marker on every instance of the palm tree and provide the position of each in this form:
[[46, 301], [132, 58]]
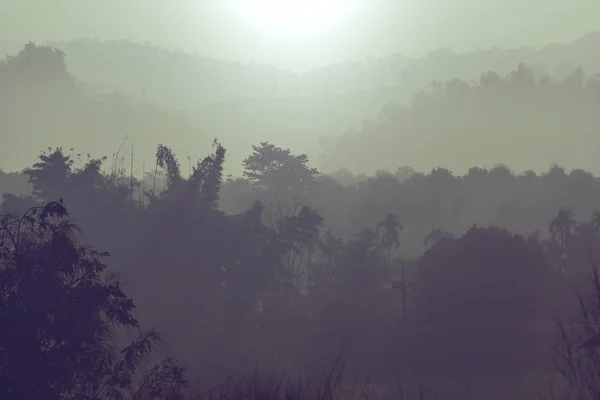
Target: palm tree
[[392, 226], [563, 226]]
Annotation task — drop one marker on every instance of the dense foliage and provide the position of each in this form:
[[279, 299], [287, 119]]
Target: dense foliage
[[58, 311], [286, 266]]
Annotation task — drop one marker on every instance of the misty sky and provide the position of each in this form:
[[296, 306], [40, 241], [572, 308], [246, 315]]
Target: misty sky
[[359, 29]]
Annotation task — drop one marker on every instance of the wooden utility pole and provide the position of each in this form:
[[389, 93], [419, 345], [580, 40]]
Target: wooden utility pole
[[131, 175], [403, 285], [143, 194]]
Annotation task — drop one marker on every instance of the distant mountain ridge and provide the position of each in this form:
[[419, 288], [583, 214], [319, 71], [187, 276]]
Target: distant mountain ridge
[[243, 104], [183, 80], [44, 105]]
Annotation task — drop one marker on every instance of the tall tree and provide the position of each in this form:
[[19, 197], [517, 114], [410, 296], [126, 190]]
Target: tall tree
[[204, 183], [299, 234], [59, 307], [207, 176], [562, 226], [362, 263], [166, 159], [49, 176], [391, 227], [274, 169], [330, 246]]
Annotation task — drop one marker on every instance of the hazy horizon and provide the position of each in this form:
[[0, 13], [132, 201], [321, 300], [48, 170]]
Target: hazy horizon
[[357, 30], [335, 114], [298, 196]]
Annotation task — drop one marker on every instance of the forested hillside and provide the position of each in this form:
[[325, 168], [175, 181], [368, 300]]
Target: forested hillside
[[456, 124], [240, 280], [470, 274], [42, 103], [522, 120], [183, 80]]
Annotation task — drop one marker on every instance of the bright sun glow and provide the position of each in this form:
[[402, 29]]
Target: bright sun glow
[[292, 16]]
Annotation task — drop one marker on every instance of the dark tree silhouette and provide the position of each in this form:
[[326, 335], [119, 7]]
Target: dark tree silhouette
[[275, 169], [563, 226], [59, 308], [203, 184], [255, 272], [167, 160], [207, 176], [362, 263], [49, 176], [391, 226], [514, 286]]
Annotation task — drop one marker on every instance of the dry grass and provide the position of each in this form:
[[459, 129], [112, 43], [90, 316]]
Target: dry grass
[[272, 386]]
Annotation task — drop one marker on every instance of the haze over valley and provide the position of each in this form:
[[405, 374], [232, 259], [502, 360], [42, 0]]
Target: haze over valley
[[400, 194]]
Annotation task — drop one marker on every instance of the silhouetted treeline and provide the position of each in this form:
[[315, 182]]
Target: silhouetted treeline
[[308, 111], [60, 309], [14, 182], [439, 200], [522, 203], [431, 276], [228, 287], [526, 119]]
